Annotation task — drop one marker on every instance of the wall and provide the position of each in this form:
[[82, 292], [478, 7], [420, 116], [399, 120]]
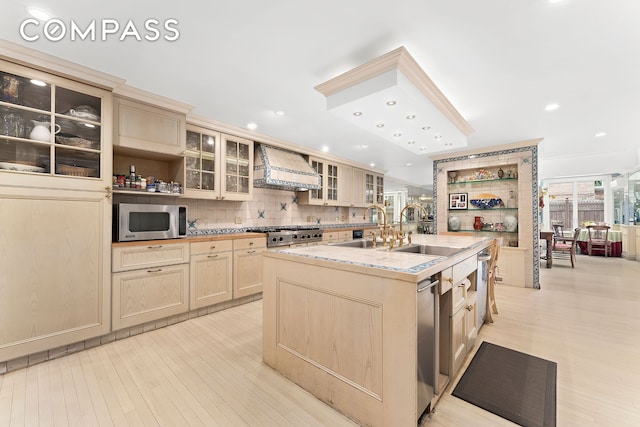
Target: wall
[[268, 208], [525, 156]]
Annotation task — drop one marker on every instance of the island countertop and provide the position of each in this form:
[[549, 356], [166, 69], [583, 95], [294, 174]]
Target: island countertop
[[411, 267]]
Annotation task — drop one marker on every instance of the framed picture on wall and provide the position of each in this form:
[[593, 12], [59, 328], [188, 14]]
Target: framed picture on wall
[[458, 201]]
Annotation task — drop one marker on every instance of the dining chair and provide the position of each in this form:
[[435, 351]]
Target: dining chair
[[565, 247], [599, 239]]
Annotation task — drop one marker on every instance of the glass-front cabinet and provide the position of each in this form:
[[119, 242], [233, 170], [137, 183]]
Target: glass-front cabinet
[[49, 126], [237, 168], [217, 166]]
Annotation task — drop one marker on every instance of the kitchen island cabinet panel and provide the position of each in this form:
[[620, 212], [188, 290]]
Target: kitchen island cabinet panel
[[54, 269], [149, 255], [247, 266]]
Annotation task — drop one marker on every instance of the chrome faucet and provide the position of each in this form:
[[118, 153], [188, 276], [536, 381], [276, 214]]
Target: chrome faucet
[[384, 221], [401, 234]]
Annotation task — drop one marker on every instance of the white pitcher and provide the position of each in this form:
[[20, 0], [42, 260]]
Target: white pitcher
[[41, 132]]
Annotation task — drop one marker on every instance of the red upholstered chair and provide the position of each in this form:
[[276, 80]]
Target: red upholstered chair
[[565, 247], [599, 239]]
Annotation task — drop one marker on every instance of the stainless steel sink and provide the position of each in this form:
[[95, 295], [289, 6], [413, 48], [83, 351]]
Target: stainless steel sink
[[360, 243], [428, 250]]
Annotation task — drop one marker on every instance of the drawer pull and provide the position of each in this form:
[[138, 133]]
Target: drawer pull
[[157, 270], [213, 246], [448, 279], [212, 256], [250, 252], [154, 247]]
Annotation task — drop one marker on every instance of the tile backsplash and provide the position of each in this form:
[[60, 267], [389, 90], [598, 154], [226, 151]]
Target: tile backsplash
[[268, 208]]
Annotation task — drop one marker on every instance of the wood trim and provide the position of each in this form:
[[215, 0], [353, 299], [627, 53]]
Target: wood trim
[[32, 58], [403, 61]]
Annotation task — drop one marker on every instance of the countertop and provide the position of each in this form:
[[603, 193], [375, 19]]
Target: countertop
[[191, 239], [411, 267]]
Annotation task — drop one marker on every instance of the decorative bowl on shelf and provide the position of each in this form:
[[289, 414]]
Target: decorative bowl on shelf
[[487, 203]]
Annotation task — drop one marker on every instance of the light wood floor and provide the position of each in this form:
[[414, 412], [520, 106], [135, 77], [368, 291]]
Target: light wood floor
[[208, 371]]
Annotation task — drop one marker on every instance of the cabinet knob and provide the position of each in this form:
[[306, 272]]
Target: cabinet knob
[[469, 307], [449, 279]]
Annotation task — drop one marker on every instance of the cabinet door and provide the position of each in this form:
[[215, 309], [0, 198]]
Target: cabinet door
[[247, 272], [147, 128], [149, 254], [458, 340], [471, 319], [53, 127], [237, 168], [145, 295], [315, 197], [211, 279], [54, 268], [332, 185], [202, 164], [345, 191], [379, 189], [358, 192]]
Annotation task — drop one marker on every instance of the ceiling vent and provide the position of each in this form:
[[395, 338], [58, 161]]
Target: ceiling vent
[[283, 170]]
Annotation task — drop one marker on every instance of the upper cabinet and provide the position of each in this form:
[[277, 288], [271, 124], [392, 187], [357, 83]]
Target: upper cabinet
[[142, 127], [332, 185], [218, 166], [50, 126], [373, 188]]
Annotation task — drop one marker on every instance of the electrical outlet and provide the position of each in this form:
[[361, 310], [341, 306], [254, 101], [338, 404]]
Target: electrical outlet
[[238, 220]]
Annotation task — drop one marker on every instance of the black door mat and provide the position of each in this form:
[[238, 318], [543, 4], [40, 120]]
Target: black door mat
[[511, 384]]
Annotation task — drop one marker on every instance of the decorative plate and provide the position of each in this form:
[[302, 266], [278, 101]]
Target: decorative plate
[[486, 201], [20, 167]]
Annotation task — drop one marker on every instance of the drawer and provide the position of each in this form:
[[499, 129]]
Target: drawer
[[211, 247], [446, 280], [137, 257], [465, 268], [254, 243]]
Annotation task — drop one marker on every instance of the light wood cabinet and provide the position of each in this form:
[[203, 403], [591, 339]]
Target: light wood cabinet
[[142, 127], [373, 188], [150, 281], [460, 302], [329, 236], [54, 268], [218, 166], [358, 192], [247, 266], [331, 176], [55, 211], [211, 278]]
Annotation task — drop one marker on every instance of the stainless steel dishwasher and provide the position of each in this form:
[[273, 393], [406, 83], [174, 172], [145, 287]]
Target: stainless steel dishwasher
[[428, 308]]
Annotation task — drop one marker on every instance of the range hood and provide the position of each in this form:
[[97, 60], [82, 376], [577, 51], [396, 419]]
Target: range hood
[[283, 170]]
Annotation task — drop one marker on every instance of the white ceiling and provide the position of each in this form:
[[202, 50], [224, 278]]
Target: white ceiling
[[499, 62]]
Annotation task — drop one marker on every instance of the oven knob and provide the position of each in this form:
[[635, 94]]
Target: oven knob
[[273, 239], [281, 239], [295, 236]]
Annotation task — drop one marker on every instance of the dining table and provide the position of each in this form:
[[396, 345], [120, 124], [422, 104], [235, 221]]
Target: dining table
[[615, 237]]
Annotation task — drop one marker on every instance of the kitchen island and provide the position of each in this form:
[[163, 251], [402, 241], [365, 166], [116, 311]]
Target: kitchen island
[[344, 323]]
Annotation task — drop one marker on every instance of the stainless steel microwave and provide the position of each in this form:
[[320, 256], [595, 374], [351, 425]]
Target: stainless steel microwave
[[148, 222]]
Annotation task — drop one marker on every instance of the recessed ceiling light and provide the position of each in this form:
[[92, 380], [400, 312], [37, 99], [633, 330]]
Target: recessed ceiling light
[[426, 127], [551, 107], [252, 126], [448, 144], [411, 117], [37, 82], [423, 148], [380, 125], [408, 164], [397, 134], [391, 103], [411, 142], [372, 164], [363, 147], [325, 148], [279, 113], [599, 134], [38, 14], [357, 113], [437, 137]]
